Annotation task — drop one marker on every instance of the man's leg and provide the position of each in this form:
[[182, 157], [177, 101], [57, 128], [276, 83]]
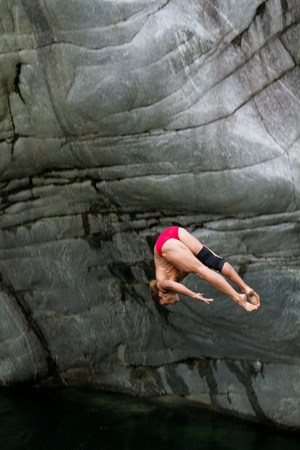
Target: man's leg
[[197, 248], [219, 282], [181, 257], [192, 243], [215, 262], [232, 275]]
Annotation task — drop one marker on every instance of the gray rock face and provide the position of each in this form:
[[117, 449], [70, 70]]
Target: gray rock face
[[119, 118]]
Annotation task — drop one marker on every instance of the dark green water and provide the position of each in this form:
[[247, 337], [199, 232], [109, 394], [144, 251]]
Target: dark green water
[[81, 420]]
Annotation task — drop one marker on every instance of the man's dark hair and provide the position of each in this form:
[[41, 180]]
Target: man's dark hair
[[154, 291]]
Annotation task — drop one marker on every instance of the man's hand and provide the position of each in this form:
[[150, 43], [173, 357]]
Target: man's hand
[[203, 299]]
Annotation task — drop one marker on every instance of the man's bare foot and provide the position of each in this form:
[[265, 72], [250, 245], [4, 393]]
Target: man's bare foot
[[246, 305], [253, 297], [249, 307]]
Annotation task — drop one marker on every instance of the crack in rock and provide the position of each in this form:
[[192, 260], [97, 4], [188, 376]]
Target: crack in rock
[[6, 286]]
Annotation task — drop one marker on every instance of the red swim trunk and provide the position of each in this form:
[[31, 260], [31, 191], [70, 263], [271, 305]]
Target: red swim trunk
[[169, 233]]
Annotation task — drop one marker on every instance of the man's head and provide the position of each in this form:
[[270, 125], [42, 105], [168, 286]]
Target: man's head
[[162, 299]]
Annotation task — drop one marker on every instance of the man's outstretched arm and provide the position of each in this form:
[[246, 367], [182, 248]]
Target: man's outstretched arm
[[174, 286]]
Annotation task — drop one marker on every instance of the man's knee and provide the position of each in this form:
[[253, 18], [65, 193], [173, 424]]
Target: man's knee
[[210, 260]]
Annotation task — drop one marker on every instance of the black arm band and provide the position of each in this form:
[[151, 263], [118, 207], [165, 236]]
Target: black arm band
[[210, 260]]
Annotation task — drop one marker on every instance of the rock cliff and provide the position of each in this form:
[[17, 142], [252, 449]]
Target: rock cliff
[[119, 118]]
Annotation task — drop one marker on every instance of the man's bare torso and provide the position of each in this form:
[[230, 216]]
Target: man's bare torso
[[167, 271]]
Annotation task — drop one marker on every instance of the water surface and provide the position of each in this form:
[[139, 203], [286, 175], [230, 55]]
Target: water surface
[[85, 420]]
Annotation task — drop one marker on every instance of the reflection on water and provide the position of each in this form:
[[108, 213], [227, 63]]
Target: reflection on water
[[81, 420]]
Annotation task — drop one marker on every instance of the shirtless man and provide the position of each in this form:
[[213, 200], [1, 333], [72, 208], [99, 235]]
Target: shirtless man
[[176, 254]]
